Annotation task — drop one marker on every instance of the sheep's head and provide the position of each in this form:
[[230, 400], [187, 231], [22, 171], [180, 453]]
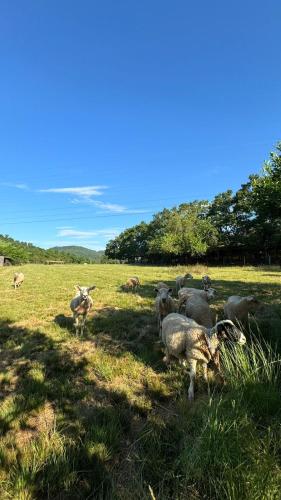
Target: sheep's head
[[163, 293], [84, 291], [226, 330], [253, 303], [211, 293]]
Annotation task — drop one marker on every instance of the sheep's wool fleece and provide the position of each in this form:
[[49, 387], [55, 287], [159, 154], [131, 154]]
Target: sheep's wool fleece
[[182, 335]]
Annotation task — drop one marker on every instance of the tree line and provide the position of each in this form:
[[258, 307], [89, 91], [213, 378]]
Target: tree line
[[242, 227]]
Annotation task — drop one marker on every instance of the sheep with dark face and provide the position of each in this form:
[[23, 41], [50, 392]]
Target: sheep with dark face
[[238, 308], [18, 279], [164, 304], [206, 281], [80, 305], [184, 340]]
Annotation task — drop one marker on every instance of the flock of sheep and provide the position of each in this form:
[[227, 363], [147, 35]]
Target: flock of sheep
[[185, 324]]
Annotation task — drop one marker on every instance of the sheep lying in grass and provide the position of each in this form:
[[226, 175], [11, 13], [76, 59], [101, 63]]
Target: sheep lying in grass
[[80, 305], [206, 281], [184, 340], [164, 304], [181, 280], [18, 279], [185, 293], [198, 309], [237, 308], [131, 283]]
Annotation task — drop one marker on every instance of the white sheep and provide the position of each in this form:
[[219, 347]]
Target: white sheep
[[185, 293], [184, 340], [18, 279], [164, 304], [206, 281], [237, 308], [80, 305], [181, 280], [198, 309]]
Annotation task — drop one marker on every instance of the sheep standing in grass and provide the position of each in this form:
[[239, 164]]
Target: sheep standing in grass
[[237, 308], [206, 281], [198, 309], [185, 293], [131, 283], [18, 279], [184, 340], [80, 305], [164, 304], [181, 280]]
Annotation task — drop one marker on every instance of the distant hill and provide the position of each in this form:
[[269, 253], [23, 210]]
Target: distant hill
[[21, 252], [81, 252]]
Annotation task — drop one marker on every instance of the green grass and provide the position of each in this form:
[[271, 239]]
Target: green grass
[[102, 417]]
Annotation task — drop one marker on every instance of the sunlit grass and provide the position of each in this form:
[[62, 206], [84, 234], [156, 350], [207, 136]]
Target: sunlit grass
[[102, 417]]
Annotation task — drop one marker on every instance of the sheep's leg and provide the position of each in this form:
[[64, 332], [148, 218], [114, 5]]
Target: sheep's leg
[[205, 372], [192, 375], [76, 323], [83, 323]]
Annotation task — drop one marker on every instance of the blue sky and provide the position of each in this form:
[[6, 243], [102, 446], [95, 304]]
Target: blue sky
[[113, 110]]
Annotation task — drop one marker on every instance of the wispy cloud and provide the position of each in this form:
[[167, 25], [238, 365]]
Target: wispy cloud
[[102, 233], [14, 185], [112, 208], [84, 191]]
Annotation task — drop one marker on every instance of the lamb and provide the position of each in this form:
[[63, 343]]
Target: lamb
[[237, 308], [206, 281], [199, 310], [80, 305], [185, 293], [18, 279], [164, 304], [131, 283], [181, 280], [184, 340]]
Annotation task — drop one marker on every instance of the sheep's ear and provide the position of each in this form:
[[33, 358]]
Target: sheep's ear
[[156, 290], [91, 288], [77, 287], [170, 290]]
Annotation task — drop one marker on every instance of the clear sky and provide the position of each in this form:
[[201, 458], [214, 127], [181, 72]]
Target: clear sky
[[112, 110]]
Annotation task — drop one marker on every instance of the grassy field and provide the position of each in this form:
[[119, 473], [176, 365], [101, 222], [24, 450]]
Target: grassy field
[[102, 417]]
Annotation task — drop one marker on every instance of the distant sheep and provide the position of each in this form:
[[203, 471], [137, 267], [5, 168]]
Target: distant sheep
[[181, 280], [206, 281], [238, 308], [80, 305], [131, 284], [198, 309], [185, 340], [164, 304], [18, 279]]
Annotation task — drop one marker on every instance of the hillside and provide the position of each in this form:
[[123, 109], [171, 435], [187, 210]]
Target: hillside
[[82, 252], [22, 252]]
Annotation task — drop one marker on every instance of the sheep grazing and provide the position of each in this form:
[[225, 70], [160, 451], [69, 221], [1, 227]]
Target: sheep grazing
[[185, 293], [18, 279], [237, 308], [181, 280], [131, 283], [206, 281], [80, 305], [185, 340], [164, 304], [198, 309]]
